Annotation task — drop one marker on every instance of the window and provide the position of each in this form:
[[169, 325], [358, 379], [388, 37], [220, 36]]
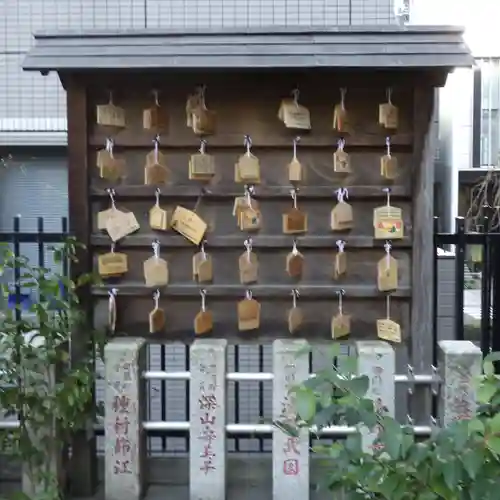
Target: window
[[489, 137], [490, 115]]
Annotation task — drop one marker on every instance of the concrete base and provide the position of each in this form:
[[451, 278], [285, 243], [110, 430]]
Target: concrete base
[[161, 492], [249, 478]]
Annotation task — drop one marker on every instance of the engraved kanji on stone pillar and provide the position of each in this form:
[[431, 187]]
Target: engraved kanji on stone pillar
[[207, 393], [125, 440], [459, 367], [290, 454], [377, 360]]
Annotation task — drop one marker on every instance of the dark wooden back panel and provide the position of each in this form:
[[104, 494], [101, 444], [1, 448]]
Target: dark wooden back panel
[[248, 104]]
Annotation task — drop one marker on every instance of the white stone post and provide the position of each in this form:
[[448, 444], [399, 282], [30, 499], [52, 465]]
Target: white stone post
[[290, 454], [125, 440], [460, 365], [207, 395], [376, 360]]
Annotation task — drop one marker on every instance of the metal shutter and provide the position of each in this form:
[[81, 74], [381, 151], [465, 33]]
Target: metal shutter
[[33, 187]]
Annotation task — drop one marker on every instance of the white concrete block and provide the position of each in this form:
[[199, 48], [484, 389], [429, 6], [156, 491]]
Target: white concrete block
[[125, 440], [459, 367], [207, 459], [377, 360], [290, 454]]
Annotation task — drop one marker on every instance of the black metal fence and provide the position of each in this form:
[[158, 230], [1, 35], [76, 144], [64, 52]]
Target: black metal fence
[[34, 245], [478, 252]]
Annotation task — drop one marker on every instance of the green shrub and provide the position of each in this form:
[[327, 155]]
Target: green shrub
[[52, 394], [461, 462]]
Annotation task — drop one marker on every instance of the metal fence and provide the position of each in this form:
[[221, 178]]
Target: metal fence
[[475, 307]]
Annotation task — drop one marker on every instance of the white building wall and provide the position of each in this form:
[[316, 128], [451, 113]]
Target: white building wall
[[480, 21]]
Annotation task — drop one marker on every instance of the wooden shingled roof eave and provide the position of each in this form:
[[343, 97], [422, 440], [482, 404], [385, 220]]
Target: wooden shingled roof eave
[[419, 48]]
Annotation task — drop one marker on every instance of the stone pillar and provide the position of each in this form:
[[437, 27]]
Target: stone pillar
[[290, 454], [460, 365], [125, 398], [207, 439], [376, 360]]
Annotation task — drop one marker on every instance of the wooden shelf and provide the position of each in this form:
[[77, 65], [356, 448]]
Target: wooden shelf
[[130, 139], [268, 332], [261, 191], [192, 290], [172, 240]]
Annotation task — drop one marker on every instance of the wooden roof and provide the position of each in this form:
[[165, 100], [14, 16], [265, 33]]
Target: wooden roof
[[391, 47]]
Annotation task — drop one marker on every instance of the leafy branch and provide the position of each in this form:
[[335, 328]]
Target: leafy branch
[[460, 462], [52, 394]]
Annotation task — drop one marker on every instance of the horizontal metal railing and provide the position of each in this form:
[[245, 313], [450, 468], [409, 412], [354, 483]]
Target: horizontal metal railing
[[239, 429], [265, 377], [162, 426], [333, 430]]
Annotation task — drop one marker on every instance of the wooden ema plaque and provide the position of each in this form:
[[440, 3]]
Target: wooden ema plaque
[[155, 118], [248, 205], [157, 318], [388, 114], [204, 320], [387, 271], [342, 216], [340, 261], [105, 215], [248, 313], [195, 207], [155, 171], [341, 323], [341, 159], [203, 271], [248, 264], [201, 167], [121, 224], [158, 216], [296, 172], [110, 167], [340, 115], [247, 168], [388, 223], [199, 118], [294, 115], [294, 221], [389, 163], [110, 116], [388, 329], [295, 263], [247, 212], [295, 315], [155, 269], [112, 264], [189, 225]]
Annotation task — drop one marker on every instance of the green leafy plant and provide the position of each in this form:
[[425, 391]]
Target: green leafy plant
[[51, 394], [460, 462]]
